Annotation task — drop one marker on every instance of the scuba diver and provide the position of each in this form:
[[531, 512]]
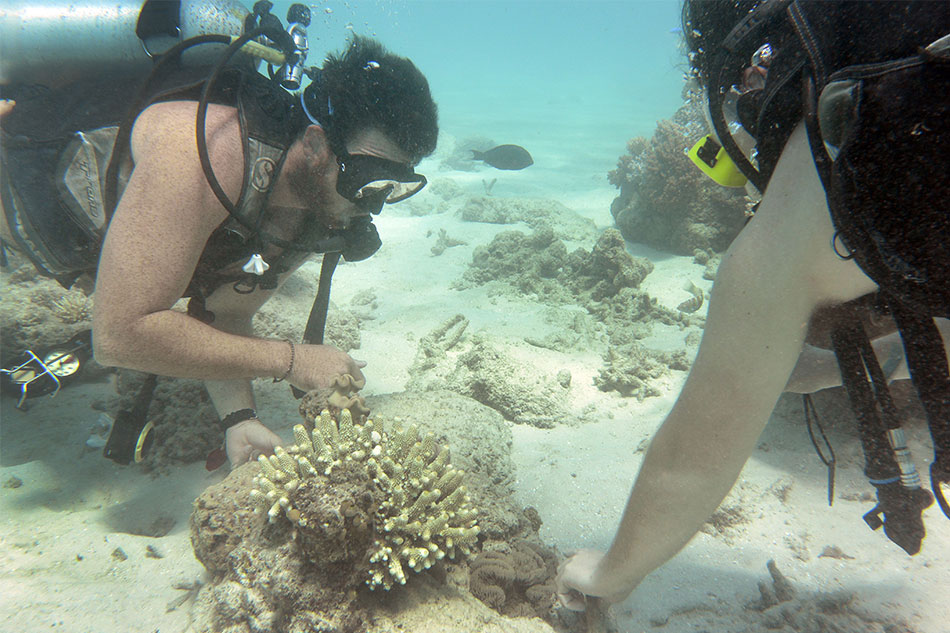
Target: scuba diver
[[846, 104], [210, 181]]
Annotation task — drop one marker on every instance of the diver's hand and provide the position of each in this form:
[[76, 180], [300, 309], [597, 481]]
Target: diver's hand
[[315, 367], [579, 576], [246, 440]]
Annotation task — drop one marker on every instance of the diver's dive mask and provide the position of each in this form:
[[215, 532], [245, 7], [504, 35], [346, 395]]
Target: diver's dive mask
[[372, 181], [738, 114]]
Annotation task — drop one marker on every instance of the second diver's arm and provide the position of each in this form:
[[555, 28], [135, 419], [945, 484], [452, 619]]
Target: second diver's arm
[[776, 273]]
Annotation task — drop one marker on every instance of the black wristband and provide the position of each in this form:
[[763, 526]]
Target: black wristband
[[235, 417]]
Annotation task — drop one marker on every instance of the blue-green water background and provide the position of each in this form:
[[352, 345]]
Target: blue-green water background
[[570, 80]]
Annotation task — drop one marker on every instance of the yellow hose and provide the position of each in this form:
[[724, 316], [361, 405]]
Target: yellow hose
[[268, 54]]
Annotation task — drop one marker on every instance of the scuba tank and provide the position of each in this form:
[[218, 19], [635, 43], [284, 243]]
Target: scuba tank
[[57, 41]]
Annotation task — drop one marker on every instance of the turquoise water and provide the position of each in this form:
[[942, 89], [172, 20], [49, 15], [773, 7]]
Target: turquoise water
[[570, 80]]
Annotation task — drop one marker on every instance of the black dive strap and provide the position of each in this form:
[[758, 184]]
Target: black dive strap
[[354, 244], [930, 373], [901, 500], [316, 323]]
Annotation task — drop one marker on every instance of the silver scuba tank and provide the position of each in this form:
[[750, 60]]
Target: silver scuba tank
[[60, 40]]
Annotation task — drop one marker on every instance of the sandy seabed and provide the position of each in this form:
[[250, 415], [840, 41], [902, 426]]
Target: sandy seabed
[[77, 545]]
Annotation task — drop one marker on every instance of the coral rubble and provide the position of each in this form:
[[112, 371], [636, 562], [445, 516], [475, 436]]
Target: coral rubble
[[631, 369], [488, 375], [413, 510], [538, 213], [603, 281]]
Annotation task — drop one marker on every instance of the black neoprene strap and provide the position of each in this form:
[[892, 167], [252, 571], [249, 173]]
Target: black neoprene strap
[[316, 323]]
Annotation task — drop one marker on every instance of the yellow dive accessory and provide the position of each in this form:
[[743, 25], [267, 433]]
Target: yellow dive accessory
[[268, 54], [713, 160], [143, 442]]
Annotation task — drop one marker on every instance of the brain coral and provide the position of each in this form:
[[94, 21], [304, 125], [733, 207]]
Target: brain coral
[[403, 504]]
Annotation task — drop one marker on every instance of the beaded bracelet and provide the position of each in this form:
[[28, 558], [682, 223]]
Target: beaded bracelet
[[290, 369]]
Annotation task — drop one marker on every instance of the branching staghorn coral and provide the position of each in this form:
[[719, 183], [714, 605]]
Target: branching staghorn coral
[[420, 511]]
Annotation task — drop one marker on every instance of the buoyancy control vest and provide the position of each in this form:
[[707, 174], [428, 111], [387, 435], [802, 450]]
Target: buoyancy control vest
[[871, 81], [57, 149]]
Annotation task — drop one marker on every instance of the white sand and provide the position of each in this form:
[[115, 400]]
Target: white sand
[[58, 531]]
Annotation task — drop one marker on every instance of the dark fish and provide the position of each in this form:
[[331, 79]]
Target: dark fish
[[505, 157]]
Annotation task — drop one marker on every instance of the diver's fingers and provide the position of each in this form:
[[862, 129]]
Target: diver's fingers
[[573, 600]]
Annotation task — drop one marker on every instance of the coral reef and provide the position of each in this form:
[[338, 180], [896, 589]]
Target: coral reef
[[411, 506], [530, 264], [539, 264], [270, 577], [36, 312], [665, 201], [481, 445], [630, 314], [516, 581], [604, 281]]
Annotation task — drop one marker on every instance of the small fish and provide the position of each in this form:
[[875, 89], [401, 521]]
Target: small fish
[[693, 303], [509, 157]]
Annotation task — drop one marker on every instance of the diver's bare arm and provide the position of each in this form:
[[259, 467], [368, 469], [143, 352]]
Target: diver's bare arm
[[234, 313], [778, 270], [154, 241]]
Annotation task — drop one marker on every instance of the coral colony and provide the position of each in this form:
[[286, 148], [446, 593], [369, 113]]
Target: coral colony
[[423, 512]]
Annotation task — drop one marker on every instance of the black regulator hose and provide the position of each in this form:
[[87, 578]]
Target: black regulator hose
[[276, 35], [201, 116], [125, 128]]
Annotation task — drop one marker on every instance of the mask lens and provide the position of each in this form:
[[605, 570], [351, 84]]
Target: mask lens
[[393, 190], [370, 178]]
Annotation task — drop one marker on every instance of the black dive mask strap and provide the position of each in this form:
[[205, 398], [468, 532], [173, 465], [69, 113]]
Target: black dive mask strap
[[731, 46]]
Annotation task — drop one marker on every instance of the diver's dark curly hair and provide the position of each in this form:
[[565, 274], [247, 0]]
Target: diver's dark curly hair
[[706, 24], [366, 87]]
